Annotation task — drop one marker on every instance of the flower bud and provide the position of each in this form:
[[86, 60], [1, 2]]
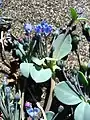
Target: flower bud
[[17, 97], [28, 105], [60, 108], [7, 91]]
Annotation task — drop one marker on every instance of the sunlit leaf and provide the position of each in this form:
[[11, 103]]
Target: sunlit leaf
[[62, 46], [37, 73], [38, 61], [73, 14], [50, 115], [40, 75], [82, 111], [65, 94]]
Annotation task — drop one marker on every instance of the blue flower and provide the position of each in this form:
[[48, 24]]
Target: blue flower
[[44, 28], [28, 28], [38, 28], [17, 97], [1, 3], [7, 91], [32, 112], [5, 80]]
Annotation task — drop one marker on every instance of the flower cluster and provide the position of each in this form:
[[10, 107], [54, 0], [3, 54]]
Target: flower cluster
[[42, 28], [28, 28], [32, 112]]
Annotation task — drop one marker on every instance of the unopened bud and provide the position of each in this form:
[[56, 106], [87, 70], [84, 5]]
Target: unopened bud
[[60, 108]]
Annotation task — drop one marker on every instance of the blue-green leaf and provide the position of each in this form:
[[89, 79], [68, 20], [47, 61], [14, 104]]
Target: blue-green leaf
[[40, 75], [65, 94], [62, 46], [82, 111], [25, 69], [50, 115], [38, 61], [37, 73]]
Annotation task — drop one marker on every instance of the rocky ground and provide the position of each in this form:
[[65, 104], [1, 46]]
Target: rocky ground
[[55, 12]]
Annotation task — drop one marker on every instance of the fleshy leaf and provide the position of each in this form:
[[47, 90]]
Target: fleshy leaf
[[25, 69], [62, 46], [82, 78], [37, 73], [50, 115], [40, 75], [73, 14], [65, 94], [82, 111], [38, 61]]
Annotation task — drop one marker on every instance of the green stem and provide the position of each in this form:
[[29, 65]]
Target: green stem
[[79, 61], [15, 111], [55, 116], [4, 111], [22, 100], [50, 98]]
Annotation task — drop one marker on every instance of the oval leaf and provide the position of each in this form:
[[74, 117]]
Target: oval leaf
[[50, 115], [65, 94], [62, 46], [73, 14], [37, 73], [40, 75], [82, 111], [82, 78], [25, 69]]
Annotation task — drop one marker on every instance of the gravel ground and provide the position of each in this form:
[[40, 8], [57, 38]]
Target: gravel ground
[[54, 11]]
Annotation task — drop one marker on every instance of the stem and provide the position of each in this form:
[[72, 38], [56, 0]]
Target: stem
[[8, 105], [38, 104], [15, 117], [68, 83], [22, 103], [78, 85], [22, 100], [3, 111], [78, 58], [55, 116], [3, 50], [50, 95], [30, 50], [46, 44]]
